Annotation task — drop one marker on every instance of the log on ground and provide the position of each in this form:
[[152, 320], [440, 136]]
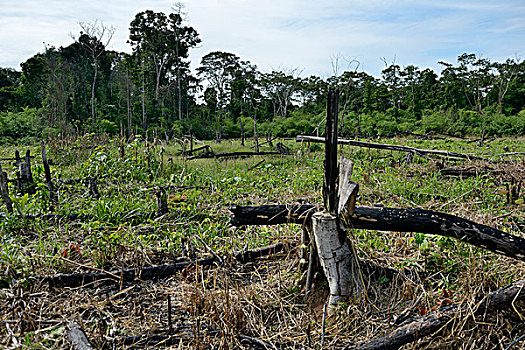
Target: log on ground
[[151, 272], [232, 155], [399, 148], [434, 321]]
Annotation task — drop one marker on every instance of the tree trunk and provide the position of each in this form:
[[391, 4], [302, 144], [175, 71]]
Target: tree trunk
[[93, 112], [4, 190], [337, 258], [255, 139]]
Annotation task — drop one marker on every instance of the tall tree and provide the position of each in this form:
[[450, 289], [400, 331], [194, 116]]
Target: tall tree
[[163, 42], [94, 38], [280, 87], [220, 69]]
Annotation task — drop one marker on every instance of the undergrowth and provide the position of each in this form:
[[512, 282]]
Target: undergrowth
[[211, 307]]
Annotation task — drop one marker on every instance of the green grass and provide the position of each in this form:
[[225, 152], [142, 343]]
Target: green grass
[[127, 184]]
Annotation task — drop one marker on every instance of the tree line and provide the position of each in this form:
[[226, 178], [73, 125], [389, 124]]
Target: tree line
[[85, 87]]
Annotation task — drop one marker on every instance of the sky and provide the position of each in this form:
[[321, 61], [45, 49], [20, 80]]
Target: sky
[[311, 37]]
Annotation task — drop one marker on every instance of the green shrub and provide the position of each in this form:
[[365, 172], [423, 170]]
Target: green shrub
[[18, 125]]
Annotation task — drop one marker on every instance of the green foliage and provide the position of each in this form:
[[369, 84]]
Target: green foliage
[[20, 125], [108, 127]]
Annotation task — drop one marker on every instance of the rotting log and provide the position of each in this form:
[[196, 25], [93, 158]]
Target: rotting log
[[392, 219], [434, 321], [399, 148]]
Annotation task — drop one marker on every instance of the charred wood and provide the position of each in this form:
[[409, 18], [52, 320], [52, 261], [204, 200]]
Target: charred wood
[[392, 219], [434, 321]]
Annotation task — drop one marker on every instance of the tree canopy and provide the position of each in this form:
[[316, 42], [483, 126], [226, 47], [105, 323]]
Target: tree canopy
[[86, 87]]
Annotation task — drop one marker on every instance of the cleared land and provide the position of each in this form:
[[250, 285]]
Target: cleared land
[[260, 302]]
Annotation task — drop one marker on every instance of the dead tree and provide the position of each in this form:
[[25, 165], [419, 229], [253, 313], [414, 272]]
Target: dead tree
[[4, 190], [53, 197], [330, 240]]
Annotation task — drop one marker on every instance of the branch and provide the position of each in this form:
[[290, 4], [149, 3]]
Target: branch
[[434, 321], [301, 138], [391, 219]]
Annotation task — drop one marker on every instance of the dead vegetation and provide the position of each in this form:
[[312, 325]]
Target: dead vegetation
[[260, 302]]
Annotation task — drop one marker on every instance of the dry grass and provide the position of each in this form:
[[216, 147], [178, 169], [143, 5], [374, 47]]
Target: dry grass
[[262, 303]]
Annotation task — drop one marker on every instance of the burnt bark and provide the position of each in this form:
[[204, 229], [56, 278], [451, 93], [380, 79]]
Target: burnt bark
[[392, 219], [434, 321]]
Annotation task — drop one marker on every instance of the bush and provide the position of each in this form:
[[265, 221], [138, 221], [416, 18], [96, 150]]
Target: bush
[[108, 127], [18, 125]]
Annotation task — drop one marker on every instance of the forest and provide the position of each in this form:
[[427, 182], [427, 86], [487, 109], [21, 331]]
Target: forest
[[84, 87]]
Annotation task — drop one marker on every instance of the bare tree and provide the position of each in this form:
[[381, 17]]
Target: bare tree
[[94, 38]]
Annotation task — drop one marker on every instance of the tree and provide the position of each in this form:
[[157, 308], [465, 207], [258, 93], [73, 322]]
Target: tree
[[94, 38], [163, 42], [280, 87], [220, 69], [506, 74]]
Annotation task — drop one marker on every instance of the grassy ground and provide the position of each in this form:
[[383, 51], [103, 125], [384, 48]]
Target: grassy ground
[[265, 299]]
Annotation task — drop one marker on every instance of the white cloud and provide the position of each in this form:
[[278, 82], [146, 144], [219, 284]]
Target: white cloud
[[290, 33]]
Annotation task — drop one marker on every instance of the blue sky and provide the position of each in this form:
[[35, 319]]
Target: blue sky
[[290, 34]]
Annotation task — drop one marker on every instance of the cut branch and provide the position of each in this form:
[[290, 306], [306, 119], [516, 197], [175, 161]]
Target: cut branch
[[434, 321], [419, 151], [391, 219]]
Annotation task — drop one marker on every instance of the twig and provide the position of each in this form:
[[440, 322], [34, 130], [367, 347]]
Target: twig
[[455, 199], [324, 323], [515, 342], [256, 165], [211, 250]]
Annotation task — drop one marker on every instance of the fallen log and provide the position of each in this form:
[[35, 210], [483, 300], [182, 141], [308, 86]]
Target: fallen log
[[469, 172], [232, 155], [126, 275], [399, 148], [132, 215], [250, 255], [150, 272], [392, 219], [434, 321]]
